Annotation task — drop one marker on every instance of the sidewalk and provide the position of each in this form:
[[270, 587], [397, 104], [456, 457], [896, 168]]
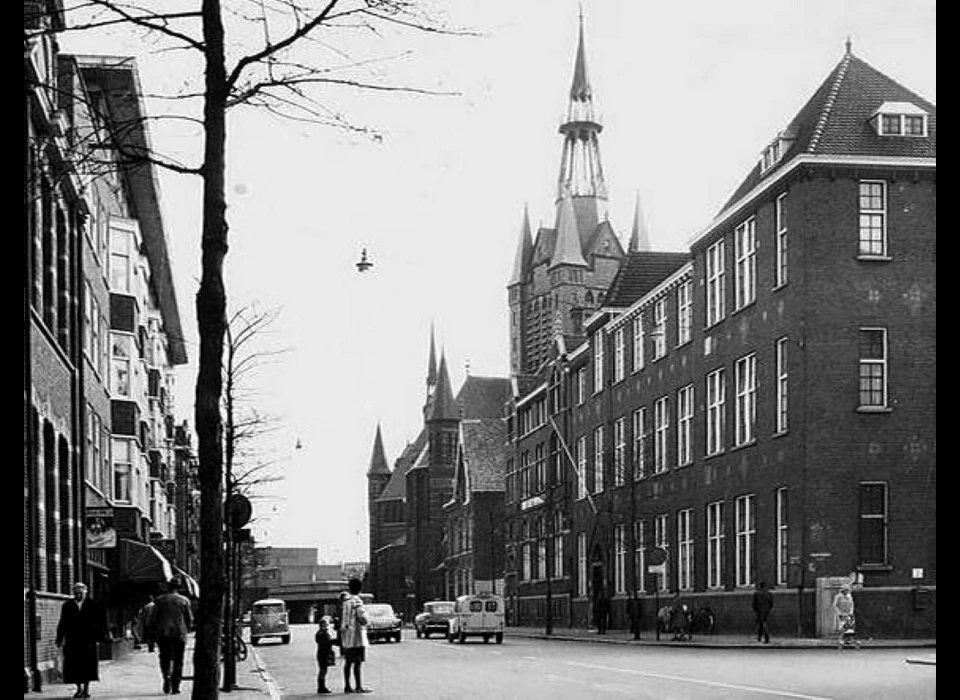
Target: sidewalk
[[137, 675]]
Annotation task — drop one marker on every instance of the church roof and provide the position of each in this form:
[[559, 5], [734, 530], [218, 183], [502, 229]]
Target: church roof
[[567, 249], [524, 254], [396, 488], [836, 121], [484, 444], [640, 273], [444, 407], [483, 397]]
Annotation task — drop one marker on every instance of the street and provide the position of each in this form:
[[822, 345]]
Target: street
[[531, 668]]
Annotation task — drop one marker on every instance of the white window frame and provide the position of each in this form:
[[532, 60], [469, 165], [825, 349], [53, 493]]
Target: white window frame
[[716, 283], [661, 539], [716, 411], [121, 364], [659, 332], [639, 425], [685, 549], [783, 531], [619, 354], [716, 532], [619, 451], [620, 558], [685, 425], [872, 229], [598, 341], [581, 386], [684, 312], [123, 469], [873, 371], [780, 273], [639, 556], [783, 385], [639, 338], [883, 517], [661, 422], [745, 518], [581, 564], [581, 448], [745, 407], [558, 545], [745, 252], [598, 446]]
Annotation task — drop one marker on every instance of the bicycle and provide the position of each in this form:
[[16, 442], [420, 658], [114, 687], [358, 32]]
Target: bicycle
[[240, 648]]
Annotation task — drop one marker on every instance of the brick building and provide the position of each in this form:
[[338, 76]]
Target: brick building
[[761, 407], [102, 339]]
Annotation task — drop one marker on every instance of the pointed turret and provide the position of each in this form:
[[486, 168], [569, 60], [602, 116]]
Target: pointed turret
[[567, 250], [521, 263], [378, 459], [639, 236], [444, 406], [580, 167], [432, 362]]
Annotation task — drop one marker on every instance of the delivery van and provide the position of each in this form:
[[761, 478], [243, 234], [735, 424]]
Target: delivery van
[[479, 615], [268, 618]]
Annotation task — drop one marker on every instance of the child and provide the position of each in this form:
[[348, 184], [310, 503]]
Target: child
[[325, 655]]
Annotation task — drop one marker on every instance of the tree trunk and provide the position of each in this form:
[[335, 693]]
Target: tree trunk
[[211, 324]]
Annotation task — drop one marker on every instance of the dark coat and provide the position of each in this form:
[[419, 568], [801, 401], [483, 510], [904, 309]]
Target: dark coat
[[325, 644], [80, 628], [762, 602]]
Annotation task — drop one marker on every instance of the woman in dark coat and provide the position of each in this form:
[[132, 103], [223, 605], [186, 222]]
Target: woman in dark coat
[[82, 625]]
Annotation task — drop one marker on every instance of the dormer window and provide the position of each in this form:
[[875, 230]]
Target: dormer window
[[900, 119], [773, 153]]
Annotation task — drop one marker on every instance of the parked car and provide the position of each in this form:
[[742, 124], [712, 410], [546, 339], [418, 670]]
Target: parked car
[[434, 618], [382, 622], [268, 618], [480, 615]]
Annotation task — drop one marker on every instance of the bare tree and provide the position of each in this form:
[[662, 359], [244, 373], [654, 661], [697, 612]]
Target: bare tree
[[258, 53]]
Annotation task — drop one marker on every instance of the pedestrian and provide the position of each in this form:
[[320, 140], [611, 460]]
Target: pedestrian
[[603, 614], [353, 637], [762, 605], [326, 657], [843, 612], [680, 619], [171, 622], [82, 625], [141, 625]]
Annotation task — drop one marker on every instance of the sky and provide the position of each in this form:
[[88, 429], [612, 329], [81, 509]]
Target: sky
[[689, 93]]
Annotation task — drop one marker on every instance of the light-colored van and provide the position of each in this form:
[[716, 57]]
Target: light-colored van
[[479, 615], [268, 618]]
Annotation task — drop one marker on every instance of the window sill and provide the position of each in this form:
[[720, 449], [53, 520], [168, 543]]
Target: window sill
[[749, 443], [714, 455], [780, 433], [874, 258], [875, 568], [779, 287], [874, 409]]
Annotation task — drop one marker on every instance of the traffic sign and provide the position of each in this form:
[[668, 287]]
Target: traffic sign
[[657, 556], [657, 569]]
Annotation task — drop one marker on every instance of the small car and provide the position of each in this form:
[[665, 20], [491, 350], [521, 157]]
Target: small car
[[480, 615], [434, 618], [382, 622], [268, 618]]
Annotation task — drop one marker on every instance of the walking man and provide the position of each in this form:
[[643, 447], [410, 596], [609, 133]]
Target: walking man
[[172, 621], [353, 637], [762, 605]]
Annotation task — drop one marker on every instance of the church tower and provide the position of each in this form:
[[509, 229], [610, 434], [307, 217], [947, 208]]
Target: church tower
[[378, 475], [561, 274]]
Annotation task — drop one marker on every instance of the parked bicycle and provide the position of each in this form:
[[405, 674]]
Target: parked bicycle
[[240, 649]]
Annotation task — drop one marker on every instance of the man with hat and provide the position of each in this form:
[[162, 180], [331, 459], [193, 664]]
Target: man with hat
[[170, 623]]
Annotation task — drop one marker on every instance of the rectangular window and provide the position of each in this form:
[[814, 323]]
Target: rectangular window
[[684, 425], [619, 451], [639, 443], [527, 562], [123, 456], [684, 550], [598, 362], [716, 411], [121, 260], [541, 558], [716, 286], [581, 386], [746, 406], [716, 532], [581, 450], [558, 571], [780, 271], [914, 125], [783, 558], [661, 423], [638, 340], [661, 539], [873, 217], [88, 327], [684, 312], [598, 460], [620, 559], [581, 564], [745, 250], [639, 556], [873, 523], [745, 536], [890, 124], [659, 328], [782, 385], [121, 356], [619, 354], [873, 367]]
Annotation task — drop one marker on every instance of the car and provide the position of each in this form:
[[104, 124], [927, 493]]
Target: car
[[480, 615], [434, 618], [382, 622], [268, 618]]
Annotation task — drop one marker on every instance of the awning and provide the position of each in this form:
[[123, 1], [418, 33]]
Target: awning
[[141, 563], [190, 585]]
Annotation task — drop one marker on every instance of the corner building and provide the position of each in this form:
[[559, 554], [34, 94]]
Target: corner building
[[760, 408]]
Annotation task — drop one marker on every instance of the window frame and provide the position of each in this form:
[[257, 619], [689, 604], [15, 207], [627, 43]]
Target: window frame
[[716, 535], [639, 432], [685, 547], [745, 263], [782, 358], [745, 405], [716, 415], [661, 431], [864, 517], [639, 338], [865, 379], [745, 532], [780, 270], [620, 451], [781, 498], [872, 238], [685, 408], [716, 307], [684, 312]]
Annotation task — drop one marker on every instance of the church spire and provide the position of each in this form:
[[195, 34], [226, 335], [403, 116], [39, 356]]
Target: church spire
[[521, 262], [639, 236], [432, 362], [444, 406], [378, 459], [580, 167]]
